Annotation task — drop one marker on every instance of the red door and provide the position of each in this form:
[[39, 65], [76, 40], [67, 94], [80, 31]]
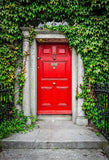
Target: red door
[[54, 79]]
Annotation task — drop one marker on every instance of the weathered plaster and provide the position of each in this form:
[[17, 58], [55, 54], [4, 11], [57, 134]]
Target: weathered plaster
[[33, 79], [30, 88], [26, 89], [80, 113], [74, 84]]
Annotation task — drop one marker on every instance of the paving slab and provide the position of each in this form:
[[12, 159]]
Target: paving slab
[[52, 134], [53, 154]]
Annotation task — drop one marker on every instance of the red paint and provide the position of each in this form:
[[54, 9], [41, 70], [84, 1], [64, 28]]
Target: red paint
[[54, 79]]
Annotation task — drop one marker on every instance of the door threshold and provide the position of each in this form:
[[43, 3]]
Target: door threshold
[[54, 117]]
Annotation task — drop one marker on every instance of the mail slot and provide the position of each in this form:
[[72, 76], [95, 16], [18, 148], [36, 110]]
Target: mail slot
[[54, 64]]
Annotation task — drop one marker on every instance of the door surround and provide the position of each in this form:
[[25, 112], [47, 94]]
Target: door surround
[[30, 87]]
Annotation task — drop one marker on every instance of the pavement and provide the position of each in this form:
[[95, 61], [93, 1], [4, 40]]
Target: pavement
[[55, 140]]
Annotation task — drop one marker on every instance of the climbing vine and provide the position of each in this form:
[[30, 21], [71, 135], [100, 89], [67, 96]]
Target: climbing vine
[[87, 31], [32, 34]]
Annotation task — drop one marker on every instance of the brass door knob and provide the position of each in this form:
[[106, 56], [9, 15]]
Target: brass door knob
[[54, 83]]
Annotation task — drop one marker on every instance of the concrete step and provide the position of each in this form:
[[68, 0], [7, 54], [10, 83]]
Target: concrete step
[[56, 134], [53, 154], [54, 117]]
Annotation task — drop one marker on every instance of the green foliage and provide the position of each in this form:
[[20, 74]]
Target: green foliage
[[97, 133], [18, 123], [87, 33], [6, 101], [32, 34]]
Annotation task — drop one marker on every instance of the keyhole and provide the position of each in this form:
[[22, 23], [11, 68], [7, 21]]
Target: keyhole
[[54, 56]]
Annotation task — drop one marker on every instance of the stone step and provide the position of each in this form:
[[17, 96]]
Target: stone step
[[54, 117], [52, 145], [56, 134], [53, 154]]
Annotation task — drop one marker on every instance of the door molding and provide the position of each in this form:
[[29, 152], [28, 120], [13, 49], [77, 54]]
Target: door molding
[[30, 87]]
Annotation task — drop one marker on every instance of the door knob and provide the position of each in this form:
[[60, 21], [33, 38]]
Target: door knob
[[54, 83], [38, 57]]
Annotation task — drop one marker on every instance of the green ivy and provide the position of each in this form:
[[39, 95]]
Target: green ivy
[[17, 123], [32, 34], [87, 31]]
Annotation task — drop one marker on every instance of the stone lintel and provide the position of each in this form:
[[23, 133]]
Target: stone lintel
[[52, 40]]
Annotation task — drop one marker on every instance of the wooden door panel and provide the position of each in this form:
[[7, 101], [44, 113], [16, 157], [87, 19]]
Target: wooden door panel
[[62, 96], [54, 79], [56, 69], [46, 96], [61, 50]]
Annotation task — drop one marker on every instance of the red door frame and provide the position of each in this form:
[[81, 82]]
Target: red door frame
[[70, 77]]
